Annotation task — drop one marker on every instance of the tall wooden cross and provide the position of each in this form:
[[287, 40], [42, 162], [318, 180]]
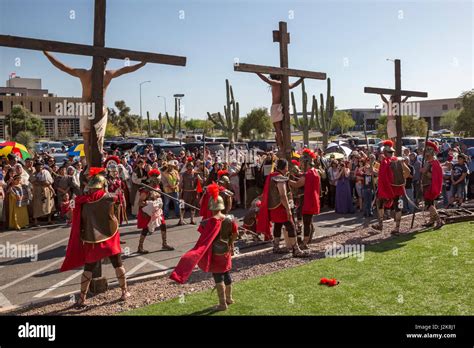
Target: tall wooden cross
[[397, 95], [99, 52], [283, 38]]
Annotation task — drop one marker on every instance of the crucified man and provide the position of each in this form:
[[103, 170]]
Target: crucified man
[[276, 111], [85, 75]]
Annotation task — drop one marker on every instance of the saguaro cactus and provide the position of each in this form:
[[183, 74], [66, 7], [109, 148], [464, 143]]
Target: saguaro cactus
[[173, 125], [323, 116], [305, 124], [229, 124], [161, 125]]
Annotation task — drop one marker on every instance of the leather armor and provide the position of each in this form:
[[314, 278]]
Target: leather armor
[[273, 194], [397, 169], [98, 220], [223, 242]]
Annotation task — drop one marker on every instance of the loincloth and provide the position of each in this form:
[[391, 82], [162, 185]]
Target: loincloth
[[276, 113]]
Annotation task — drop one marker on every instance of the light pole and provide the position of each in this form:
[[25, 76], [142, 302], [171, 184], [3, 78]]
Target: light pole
[[178, 97], [141, 116], [164, 101]]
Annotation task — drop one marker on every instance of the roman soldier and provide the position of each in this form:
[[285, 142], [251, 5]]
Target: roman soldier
[[311, 184], [250, 217], [213, 250], [223, 192], [116, 185], [226, 193], [432, 182], [276, 208], [391, 186], [150, 213], [94, 234], [189, 186], [297, 194]]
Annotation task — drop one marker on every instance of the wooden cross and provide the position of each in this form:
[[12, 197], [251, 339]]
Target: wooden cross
[[397, 95], [99, 52], [283, 38]]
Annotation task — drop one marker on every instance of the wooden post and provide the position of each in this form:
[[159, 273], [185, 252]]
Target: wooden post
[[284, 40], [397, 100]]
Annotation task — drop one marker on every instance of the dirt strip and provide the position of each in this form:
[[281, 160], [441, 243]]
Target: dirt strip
[[247, 266]]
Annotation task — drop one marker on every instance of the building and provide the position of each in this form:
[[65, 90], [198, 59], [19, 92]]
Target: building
[[29, 93], [430, 110]]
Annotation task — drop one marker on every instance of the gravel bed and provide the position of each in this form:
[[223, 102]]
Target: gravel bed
[[244, 267]]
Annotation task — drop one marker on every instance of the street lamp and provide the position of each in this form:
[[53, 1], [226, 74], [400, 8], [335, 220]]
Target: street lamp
[[164, 101], [178, 97], [141, 116]]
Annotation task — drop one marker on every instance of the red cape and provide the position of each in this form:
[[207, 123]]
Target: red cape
[[201, 254], [312, 189], [385, 188], [263, 218], [79, 253], [434, 190]]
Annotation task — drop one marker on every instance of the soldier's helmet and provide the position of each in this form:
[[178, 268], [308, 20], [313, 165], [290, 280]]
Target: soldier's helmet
[[216, 203], [388, 146], [96, 178]]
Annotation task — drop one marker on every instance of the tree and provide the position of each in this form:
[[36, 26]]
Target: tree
[[111, 130], [22, 119], [449, 119], [26, 138], [122, 120], [257, 121], [194, 124], [342, 120], [465, 120], [411, 126]]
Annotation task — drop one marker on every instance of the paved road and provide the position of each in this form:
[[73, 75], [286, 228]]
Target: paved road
[[23, 280]]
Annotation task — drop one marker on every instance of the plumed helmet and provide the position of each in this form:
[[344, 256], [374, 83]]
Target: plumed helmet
[[307, 156], [224, 179], [96, 178], [388, 146], [216, 203], [111, 160], [431, 148]]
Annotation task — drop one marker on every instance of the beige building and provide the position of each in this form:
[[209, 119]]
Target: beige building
[[432, 110], [29, 94]]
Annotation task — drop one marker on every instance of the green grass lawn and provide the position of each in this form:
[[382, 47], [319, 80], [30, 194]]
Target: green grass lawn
[[428, 273]]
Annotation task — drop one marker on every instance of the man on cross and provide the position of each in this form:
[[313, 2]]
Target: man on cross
[[391, 116], [276, 111], [85, 75]]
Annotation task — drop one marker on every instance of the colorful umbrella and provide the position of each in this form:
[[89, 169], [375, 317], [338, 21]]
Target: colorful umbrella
[[16, 148], [77, 150]]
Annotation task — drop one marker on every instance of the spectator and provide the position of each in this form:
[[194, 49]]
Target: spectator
[[18, 201], [344, 203], [459, 175]]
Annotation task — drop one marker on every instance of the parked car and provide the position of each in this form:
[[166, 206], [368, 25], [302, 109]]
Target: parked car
[[174, 148], [125, 145], [467, 142], [212, 147], [413, 143], [216, 139], [155, 141], [48, 146], [193, 138], [264, 145]]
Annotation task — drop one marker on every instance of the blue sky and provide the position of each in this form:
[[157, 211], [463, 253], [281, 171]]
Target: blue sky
[[349, 40]]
